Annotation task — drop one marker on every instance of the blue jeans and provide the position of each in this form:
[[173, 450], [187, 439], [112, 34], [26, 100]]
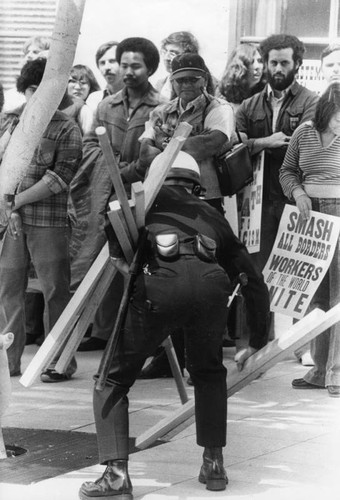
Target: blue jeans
[[47, 247], [325, 348]]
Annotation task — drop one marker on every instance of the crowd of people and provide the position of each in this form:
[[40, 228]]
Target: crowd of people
[[57, 223]]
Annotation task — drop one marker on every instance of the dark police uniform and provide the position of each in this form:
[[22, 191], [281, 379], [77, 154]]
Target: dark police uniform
[[188, 290]]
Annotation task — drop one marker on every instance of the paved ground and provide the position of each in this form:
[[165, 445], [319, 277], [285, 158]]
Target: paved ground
[[283, 444]]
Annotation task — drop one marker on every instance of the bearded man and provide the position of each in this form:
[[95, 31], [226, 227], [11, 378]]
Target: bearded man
[[268, 119]]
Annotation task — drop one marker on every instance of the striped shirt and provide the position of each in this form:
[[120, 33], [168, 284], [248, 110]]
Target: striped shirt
[[309, 167], [55, 161]]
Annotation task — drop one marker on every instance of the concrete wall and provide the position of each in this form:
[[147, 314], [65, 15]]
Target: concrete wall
[[106, 20]]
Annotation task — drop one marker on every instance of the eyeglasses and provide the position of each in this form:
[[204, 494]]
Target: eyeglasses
[[170, 53], [189, 79], [82, 83]]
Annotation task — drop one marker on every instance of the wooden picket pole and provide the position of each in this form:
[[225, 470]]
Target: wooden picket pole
[[85, 318], [69, 317], [113, 168], [59, 334], [298, 335]]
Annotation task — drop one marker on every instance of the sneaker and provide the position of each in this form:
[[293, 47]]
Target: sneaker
[[52, 376], [334, 391]]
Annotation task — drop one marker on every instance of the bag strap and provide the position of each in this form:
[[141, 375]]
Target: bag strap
[[238, 135]]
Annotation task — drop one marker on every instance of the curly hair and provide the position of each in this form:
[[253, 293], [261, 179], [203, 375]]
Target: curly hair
[[81, 71], [282, 41], [184, 39], [104, 48], [142, 45], [327, 106], [235, 82], [31, 74]]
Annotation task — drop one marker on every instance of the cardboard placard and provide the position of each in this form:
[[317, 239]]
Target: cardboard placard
[[300, 258], [251, 207]]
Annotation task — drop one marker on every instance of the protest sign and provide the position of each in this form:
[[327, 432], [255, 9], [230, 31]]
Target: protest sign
[[251, 207], [301, 255]]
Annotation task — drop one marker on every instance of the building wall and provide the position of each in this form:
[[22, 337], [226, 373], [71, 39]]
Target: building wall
[[105, 20], [218, 25], [20, 20]]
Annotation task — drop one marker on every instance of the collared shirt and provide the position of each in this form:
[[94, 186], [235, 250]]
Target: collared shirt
[[276, 103], [123, 130], [55, 161], [216, 115]]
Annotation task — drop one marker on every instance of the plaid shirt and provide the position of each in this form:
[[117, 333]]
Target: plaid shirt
[[55, 161]]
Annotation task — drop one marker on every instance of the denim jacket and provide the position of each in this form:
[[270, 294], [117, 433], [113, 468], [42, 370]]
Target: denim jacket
[[123, 130]]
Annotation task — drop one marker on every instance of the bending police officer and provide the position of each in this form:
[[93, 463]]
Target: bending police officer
[[190, 254]]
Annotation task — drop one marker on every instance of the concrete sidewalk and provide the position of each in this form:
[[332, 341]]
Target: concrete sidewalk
[[283, 444]]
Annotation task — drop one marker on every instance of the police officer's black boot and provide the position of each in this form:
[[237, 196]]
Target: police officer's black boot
[[114, 484], [212, 472]]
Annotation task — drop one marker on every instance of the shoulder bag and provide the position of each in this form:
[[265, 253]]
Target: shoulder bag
[[234, 168]]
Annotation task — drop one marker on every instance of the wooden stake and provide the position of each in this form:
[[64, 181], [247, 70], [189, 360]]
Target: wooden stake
[[115, 217], [154, 181], [175, 369], [75, 308], [113, 168], [86, 318], [59, 333], [298, 335], [138, 199]]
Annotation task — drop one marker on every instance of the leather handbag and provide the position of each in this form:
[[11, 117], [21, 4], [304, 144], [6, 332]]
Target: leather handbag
[[234, 168]]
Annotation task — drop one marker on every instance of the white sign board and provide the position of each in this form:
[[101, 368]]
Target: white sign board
[[301, 255], [251, 207]]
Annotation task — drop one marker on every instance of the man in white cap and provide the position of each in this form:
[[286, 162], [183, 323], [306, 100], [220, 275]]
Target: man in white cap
[[183, 282]]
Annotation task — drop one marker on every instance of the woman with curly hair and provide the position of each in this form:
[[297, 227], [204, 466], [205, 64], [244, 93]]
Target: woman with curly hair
[[243, 74]]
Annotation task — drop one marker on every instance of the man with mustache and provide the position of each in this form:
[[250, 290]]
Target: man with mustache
[[123, 114], [107, 64], [269, 118]]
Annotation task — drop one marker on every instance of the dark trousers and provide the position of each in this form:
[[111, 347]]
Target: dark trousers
[[187, 293]]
